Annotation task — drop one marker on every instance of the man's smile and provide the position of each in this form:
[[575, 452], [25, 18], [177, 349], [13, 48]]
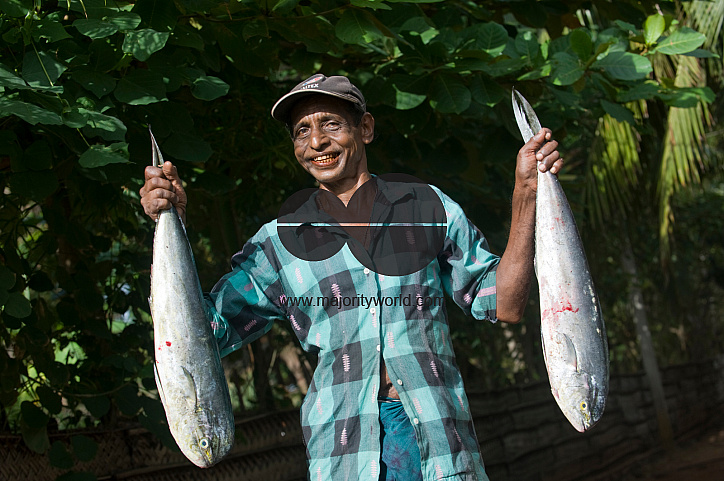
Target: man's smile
[[325, 160]]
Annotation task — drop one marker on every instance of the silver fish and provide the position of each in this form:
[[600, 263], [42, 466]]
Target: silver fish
[[189, 375], [573, 334]]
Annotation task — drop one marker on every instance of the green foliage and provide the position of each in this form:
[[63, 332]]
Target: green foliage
[[81, 80]]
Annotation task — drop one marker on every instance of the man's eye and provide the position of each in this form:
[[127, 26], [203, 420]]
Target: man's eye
[[301, 133], [332, 125]]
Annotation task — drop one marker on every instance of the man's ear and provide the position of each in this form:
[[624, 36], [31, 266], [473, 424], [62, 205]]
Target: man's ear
[[367, 127]]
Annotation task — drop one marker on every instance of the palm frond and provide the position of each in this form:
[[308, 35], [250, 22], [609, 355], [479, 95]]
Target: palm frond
[[683, 157], [614, 165]]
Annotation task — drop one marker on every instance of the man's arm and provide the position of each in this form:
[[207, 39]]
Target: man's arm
[[515, 269]]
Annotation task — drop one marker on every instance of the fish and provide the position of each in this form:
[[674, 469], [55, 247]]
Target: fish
[[189, 375], [573, 333]]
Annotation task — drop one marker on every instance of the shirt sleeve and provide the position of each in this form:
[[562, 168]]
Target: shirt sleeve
[[244, 303], [467, 265]]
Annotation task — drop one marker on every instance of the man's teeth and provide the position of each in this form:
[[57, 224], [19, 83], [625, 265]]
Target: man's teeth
[[325, 159]]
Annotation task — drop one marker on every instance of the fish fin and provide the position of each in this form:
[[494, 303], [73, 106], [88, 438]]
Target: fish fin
[[158, 384], [190, 379], [569, 351]]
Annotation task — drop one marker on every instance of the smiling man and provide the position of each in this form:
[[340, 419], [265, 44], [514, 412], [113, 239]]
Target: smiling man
[[373, 256]]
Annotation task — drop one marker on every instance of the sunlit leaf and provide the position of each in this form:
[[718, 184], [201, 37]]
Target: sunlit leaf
[[209, 88], [95, 28], [143, 43], [624, 65], [653, 28], [566, 69], [100, 155], [684, 40]]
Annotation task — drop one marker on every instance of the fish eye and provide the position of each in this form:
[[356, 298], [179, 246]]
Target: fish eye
[[584, 405], [204, 443]]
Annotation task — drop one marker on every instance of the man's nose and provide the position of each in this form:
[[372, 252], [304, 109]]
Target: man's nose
[[318, 138]]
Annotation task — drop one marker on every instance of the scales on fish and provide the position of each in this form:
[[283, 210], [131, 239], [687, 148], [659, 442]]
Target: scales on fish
[[573, 333], [189, 375]]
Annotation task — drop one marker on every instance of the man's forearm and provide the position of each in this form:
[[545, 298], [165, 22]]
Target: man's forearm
[[515, 270]]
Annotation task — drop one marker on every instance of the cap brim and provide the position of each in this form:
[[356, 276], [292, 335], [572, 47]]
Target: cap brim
[[283, 108]]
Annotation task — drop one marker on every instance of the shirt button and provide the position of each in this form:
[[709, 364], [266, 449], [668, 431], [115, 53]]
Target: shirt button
[[373, 310], [399, 381], [366, 271], [378, 348], [416, 421]]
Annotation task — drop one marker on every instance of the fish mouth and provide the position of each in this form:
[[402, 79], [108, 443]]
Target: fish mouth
[[325, 160]]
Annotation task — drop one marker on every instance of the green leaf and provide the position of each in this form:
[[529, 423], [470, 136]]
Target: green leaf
[[105, 126], [486, 92], [49, 399], [41, 70], [491, 37], [566, 69], [98, 406], [100, 155], [618, 112], [684, 40], [143, 43], [34, 185], [59, 456], [624, 65], [653, 28], [160, 15], [527, 45], [35, 438], [8, 79], [187, 147], [581, 44], [700, 53], [33, 416], [356, 26], [97, 82], [127, 400], [30, 113], [407, 100], [125, 20], [95, 28], [49, 28], [18, 305], [16, 8], [449, 95], [209, 88], [644, 91], [7, 278], [84, 448], [140, 87]]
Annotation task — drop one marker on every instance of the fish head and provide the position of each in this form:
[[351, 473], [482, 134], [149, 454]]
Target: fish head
[[582, 399], [205, 443]]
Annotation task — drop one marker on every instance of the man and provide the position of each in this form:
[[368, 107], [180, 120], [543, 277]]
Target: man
[[386, 400]]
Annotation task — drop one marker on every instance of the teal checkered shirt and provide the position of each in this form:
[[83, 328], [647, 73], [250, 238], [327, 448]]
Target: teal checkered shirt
[[353, 317]]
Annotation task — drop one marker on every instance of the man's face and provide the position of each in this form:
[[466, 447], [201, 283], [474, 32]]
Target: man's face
[[326, 142]]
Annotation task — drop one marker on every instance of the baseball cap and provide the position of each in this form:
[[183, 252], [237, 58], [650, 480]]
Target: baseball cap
[[336, 86]]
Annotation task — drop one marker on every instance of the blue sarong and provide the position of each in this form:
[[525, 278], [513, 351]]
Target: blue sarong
[[400, 453]]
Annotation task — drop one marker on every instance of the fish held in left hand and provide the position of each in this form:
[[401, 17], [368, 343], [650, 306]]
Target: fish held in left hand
[[573, 333], [189, 374]]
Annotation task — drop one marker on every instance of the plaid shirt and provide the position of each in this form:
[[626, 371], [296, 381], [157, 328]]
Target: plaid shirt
[[340, 414]]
